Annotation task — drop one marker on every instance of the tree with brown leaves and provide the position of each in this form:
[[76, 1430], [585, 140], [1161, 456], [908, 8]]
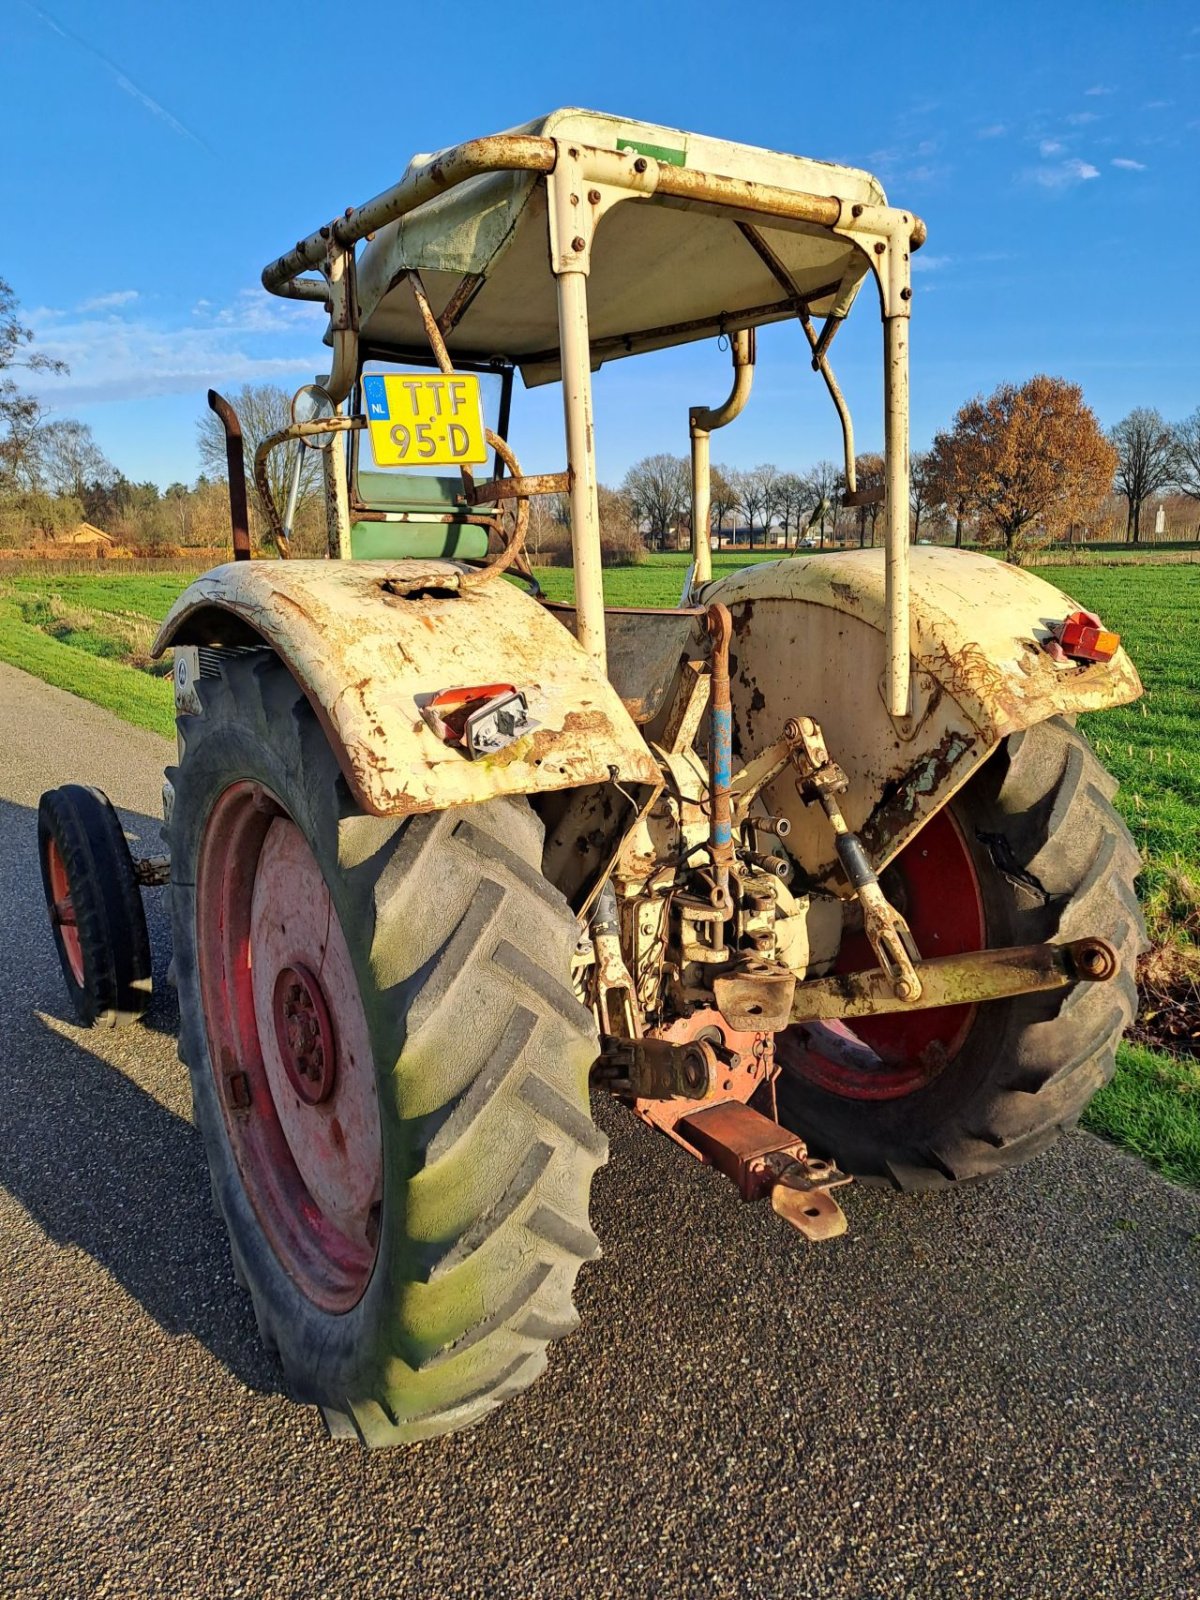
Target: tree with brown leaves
[[1028, 460]]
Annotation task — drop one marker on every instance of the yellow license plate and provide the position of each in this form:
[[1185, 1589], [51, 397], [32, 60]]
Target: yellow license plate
[[422, 419]]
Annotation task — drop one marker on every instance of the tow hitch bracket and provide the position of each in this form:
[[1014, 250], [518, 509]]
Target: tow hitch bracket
[[764, 1159]]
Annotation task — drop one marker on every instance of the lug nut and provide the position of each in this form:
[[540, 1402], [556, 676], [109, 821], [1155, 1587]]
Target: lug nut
[[1094, 960]]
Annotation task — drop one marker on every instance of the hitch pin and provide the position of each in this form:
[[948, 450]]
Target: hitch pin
[[616, 995], [822, 779]]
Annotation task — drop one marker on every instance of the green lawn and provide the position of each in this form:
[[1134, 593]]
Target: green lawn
[[86, 660], [78, 631]]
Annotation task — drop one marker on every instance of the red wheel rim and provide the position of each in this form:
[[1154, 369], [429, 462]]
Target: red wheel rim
[[289, 1045], [62, 910], [935, 884]]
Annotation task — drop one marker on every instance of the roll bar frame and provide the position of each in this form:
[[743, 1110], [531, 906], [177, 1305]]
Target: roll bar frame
[[884, 236]]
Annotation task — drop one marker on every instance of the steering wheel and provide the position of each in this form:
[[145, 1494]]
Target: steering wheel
[[513, 539]]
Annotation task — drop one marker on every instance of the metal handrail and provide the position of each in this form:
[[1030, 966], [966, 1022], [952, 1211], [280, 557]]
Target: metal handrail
[[503, 152], [295, 430], [512, 152], [880, 233]]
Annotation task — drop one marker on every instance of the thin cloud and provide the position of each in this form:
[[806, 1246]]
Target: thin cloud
[[120, 78], [1160, 105], [1127, 164], [1100, 88], [905, 162], [1064, 174], [1051, 147], [994, 130], [109, 302], [122, 358], [924, 263], [1080, 119]]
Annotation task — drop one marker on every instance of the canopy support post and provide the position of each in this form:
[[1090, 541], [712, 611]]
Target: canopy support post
[[701, 423], [895, 433], [581, 465]]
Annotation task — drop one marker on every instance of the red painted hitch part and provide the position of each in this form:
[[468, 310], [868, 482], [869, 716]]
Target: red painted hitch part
[[1083, 637], [764, 1159]]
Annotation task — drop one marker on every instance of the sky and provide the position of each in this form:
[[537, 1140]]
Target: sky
[[158, 154]]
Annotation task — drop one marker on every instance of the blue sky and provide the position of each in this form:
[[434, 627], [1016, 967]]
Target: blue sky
[[166, 151]]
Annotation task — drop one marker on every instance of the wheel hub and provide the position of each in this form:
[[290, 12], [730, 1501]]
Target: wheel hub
[[304, 1034], [62, 912]]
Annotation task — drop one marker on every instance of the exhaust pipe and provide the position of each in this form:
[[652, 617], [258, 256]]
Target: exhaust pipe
[[236, 466]]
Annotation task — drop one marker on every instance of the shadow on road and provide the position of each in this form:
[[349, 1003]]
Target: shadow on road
[[97, 1161]]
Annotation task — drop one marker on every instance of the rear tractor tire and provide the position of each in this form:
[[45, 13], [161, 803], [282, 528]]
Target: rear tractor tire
[[389, 1069], [95, 906], [1031, 849]]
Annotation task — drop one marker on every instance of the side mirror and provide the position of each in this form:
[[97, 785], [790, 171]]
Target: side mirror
[[311, 403]]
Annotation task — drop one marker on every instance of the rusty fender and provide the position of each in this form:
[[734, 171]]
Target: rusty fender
[[808, 640], [368, 641]]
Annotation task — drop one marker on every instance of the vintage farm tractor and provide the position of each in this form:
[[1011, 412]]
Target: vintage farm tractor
[[812, 871]]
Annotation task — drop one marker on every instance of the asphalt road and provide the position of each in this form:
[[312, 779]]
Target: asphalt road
[[992, 1393]]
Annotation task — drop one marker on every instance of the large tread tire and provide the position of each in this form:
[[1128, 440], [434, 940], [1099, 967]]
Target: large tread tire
[[1054, 861], [114, 987], [462, 952]]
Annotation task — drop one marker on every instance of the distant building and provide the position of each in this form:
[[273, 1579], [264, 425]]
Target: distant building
[[88, 539]]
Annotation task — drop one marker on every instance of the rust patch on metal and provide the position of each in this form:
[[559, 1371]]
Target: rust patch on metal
[[364, 667], [902, 799]]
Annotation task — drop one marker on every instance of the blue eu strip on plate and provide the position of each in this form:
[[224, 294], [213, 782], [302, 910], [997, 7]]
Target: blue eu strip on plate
[[375, 395]]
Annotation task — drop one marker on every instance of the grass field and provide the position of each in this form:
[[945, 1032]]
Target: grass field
[[90, 634]]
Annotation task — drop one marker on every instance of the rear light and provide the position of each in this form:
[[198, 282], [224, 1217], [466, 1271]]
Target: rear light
[[1083, 637], [481, 719]]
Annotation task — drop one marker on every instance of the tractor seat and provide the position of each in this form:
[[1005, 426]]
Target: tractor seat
[[422, 502]]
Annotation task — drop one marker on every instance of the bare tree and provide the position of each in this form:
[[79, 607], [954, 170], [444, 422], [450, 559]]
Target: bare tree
[[869, 474], [658, 487], [949, 467], [263, 409], [756, 490], [21, 414], [1146, 449], [70, 459], [20, 443], [923, 490], [824, 483], [177, 498], [723, 499], [791, 498], [620, 542], [1187, 454]]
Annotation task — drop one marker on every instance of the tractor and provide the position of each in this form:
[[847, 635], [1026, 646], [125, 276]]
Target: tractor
[[812, 871]]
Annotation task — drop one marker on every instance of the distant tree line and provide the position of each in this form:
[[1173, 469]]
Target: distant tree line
[[53, 475], [1015, 469]]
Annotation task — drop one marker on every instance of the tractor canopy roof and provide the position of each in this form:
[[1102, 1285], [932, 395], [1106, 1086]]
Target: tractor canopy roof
[[666, 269]]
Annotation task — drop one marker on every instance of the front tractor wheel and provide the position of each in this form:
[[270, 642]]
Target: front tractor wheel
[[95, 906], [1030, 850], [388, 1066]]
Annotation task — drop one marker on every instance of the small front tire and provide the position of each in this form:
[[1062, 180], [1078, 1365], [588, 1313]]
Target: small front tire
[[95, 906]]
